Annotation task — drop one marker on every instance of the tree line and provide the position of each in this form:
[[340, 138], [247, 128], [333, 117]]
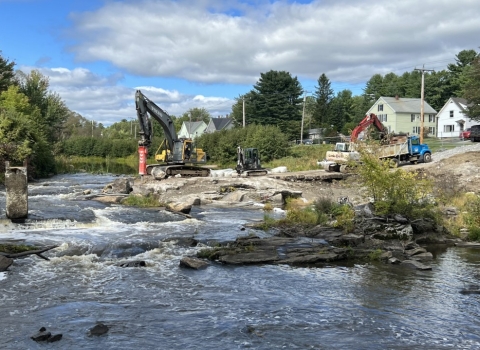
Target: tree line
[[36, 125], [279, 99]]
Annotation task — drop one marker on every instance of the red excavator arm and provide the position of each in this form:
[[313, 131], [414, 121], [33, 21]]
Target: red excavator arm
[[365, 123]]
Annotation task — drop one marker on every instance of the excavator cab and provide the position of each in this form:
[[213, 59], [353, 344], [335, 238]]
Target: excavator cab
[[248, 162]]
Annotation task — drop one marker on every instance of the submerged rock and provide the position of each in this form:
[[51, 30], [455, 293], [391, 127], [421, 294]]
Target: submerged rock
[[415, 265], [98, 329], [193, 263], [137, 263], [41, 335]]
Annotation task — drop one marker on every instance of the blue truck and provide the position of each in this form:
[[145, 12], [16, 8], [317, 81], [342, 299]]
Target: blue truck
[[400, 149]]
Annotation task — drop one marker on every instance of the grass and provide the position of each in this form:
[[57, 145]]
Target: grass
[[16, 248], [438, 145], [139, 201], [301, 158]]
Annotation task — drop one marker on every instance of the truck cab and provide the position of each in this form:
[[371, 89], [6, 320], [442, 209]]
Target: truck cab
[[421, 150]]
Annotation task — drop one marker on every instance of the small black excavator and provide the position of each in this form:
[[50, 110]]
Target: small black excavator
[[248, 162]]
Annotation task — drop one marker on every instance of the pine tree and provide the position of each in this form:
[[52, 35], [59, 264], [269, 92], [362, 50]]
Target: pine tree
[[7, 73], [324, 95]]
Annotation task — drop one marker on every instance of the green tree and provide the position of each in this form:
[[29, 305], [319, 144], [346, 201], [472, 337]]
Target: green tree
[[277, 98], [471, 90], [53, 111], [221, 146], [21, 135], [458, 72], [7, 73], [374, 87], [436, 92], [199, 114], [324, 95], [341, 110], [250, 109]]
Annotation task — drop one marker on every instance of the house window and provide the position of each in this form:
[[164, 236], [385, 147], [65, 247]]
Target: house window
[[414, 118], [380, 108], [382, 117], [431, 118], [416, 130], [431, 130], [448, 128], [451, 114]]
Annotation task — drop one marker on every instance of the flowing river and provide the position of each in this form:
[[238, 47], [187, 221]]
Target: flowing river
[[163, 306]]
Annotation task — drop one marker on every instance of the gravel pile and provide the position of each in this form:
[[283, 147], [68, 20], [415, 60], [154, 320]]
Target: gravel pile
[[438, 156]]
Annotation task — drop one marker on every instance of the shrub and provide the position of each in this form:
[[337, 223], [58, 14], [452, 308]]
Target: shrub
[[142, 201], [395, 191], [375, 255], [345, 218], [268, 206]]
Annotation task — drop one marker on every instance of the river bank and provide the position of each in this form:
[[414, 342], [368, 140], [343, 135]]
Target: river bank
[[262, 306]]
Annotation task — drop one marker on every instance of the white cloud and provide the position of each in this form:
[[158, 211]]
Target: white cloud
[[230, 42], [349, 41], [96, 98]]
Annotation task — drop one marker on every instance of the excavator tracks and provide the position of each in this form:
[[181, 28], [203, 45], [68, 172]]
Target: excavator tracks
[[166, 171]]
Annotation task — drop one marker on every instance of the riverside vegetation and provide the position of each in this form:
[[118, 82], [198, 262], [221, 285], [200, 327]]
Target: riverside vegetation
[[411, 194]]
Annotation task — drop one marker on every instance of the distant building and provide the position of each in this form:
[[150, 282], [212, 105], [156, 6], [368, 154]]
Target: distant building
[[452, 118], [402, 115], [217, 124], [192, 129]]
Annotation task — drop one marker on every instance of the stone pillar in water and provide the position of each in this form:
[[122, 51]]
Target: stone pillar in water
[[16, 186]]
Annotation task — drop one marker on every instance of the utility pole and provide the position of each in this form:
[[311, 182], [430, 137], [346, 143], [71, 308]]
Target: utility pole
[[190, 127], [423, 70], [303, 116], [243, 98]]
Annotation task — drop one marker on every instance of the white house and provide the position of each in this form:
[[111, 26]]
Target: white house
[[452, 119], [192, 129]]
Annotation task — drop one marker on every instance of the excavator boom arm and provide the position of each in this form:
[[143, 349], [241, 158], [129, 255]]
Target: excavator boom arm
[[146, 107], [370, 119]]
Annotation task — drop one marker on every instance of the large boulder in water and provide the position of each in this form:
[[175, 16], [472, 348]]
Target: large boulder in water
[[123, 186], [5, 263]]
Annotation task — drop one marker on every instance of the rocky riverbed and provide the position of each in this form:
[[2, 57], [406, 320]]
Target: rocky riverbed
[[394, 240]]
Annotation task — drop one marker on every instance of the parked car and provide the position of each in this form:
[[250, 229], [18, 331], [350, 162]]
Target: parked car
[[475, 133], [465, 134]]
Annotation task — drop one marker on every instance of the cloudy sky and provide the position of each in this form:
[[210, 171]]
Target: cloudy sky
[[204, 53]]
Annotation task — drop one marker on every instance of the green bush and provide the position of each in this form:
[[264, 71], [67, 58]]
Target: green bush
[[142, 201], [395, 191], [221, 147], [345, 216]]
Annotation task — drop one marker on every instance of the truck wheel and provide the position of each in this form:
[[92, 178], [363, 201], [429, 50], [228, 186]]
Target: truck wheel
[[394, 162], [427, 157]]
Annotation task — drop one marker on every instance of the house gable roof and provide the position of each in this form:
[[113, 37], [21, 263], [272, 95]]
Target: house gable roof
[[192, 127], [407, 105], [220, 123], [461, 103]]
